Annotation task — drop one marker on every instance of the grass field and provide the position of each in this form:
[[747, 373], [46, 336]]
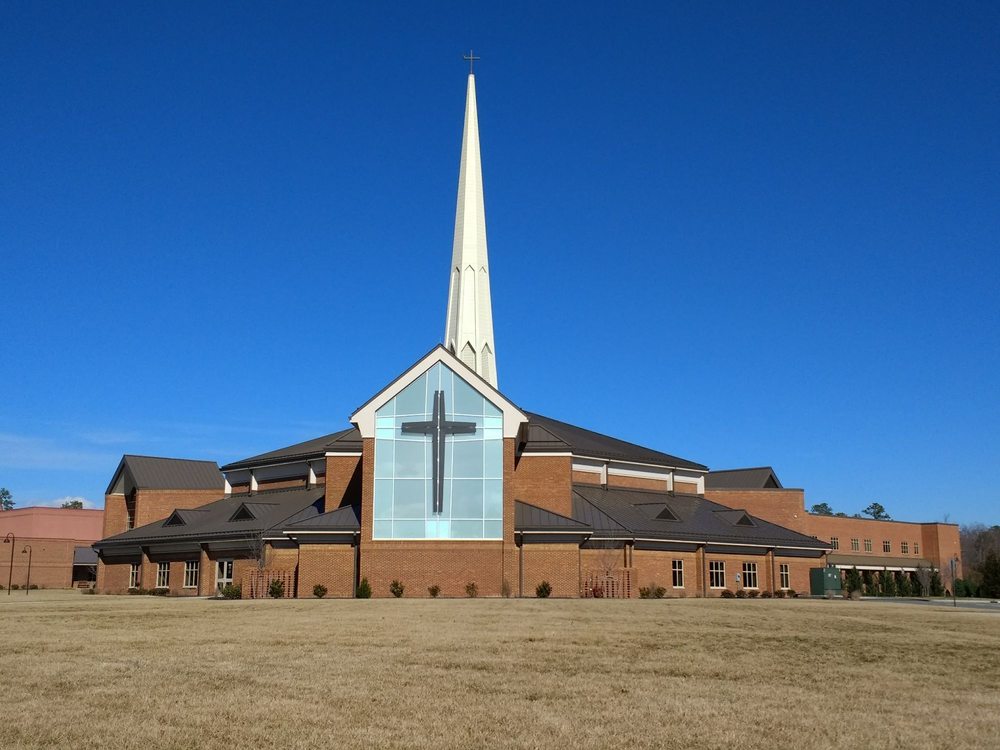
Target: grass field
[[130, 672]]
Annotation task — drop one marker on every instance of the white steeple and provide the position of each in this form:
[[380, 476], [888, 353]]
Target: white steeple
[[469, 327]]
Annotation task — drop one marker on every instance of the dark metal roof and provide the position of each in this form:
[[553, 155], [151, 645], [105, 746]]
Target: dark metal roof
[[345, 441], [588, 443], [757, 478], [532, 518], [153, 473], [84, 556], [698, 519], [271, 509], [347, 518]]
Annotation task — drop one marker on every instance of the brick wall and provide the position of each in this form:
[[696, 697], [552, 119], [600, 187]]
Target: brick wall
[[586, 477], [419, 564], [637, 483], [51, 562], [656, 566], [545, 481], [113, 579], [559, 564], [154, 505], [343, 481], [114, 515], [688, 488], [785, 507], [281, 484], [331, 565]]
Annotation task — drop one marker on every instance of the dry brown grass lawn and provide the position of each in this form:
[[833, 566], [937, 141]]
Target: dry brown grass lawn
[[129, 672]]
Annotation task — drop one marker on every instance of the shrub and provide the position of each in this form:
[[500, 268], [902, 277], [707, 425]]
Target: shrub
[[753, 593], [741, 593], [232, 591], [791, 594], [937, 588], [158, 592], [364, 590], [15, 587], [471, 590], [597, 592], [396, 588], [33, 587], [319, 590], [779, 594], [905, 587], [505, 589], [766, 595], [543, 590], [727, 594], [434, 591], [852, 581], [276, 589], [653, 591]]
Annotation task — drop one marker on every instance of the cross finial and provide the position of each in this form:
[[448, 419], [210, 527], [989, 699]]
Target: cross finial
[[471, 58]]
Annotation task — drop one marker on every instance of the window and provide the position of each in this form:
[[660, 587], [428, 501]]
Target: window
[[886, 545], [904, 547], [717, 574], [749, 575], [854, 545], [133, 576], [677, 568], [130, 512], [916, 548], [468, 502], [163, 575], [191, 569], [835, 542], [784, 576], [868, 545]]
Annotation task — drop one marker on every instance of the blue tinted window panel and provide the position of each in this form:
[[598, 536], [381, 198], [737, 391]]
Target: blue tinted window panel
[[493, 498], [466, 529], [493, 530], [467, 459], [382, 529], [408, 529], [467, 498], [408, 498]]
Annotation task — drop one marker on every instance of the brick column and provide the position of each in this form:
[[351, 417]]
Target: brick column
[[147, 571], [702, 572], [771, 570], [206, 574]]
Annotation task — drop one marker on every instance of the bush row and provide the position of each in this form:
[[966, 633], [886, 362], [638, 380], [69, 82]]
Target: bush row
[[19, 587], [397, 589]]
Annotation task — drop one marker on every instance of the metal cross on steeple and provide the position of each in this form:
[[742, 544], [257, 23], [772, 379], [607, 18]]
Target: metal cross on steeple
[[471, 58], [438, 427]]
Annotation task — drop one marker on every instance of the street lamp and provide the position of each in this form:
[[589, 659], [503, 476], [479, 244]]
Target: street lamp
[[11, 540], [27, 582], [954, 568]]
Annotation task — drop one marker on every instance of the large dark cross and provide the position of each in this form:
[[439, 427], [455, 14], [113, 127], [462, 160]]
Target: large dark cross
[[438, 427]]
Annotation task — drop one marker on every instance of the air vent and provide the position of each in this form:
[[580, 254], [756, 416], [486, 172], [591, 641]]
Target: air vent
[[745, 520], [243, 513], [667, 515], [174, 520]]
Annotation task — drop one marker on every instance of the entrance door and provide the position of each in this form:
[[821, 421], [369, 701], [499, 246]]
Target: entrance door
[[223, 574]]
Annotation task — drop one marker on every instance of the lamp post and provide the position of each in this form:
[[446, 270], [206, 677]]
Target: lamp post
[[954, 568], [11, 540], [27, 582]]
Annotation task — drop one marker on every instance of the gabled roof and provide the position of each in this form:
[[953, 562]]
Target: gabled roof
[[513, 417], [270, 508], [531, 518], [698, 519], [344, 441], [756, 478], [346, 518], [588, 443], [183, 516], [153, 473]]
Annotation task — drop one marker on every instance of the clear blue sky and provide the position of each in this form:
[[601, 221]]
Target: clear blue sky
[[742, 235]]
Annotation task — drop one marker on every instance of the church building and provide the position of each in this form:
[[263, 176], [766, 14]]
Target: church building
[[442, 483]]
